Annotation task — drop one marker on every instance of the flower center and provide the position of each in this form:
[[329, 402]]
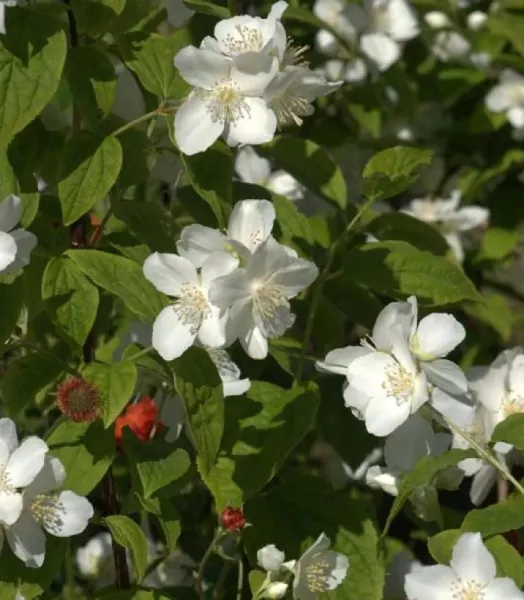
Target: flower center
[[250, 40], [467, 590], [270, 305], [398, 383], [224, 102], [5, 484], [512, 404], [289, 108], [317, 575], [192, 307], [46, 509]]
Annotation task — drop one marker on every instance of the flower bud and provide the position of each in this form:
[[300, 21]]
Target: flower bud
[[233, 519], [276, 590], [436, 19], [270, 558]]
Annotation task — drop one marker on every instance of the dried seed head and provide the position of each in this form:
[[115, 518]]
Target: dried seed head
[[78, 399]]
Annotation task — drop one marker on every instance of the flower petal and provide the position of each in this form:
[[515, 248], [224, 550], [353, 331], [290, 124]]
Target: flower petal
[[8, 435], [172, 336], [51, 477], [72, 516], [500, 98], [8, 250], [338, 360], [236, 388], [253, 71], [502, 588], [394, 313], [254, 343], [202, 68], [471, 559], [212, 331], [470, 217], [437, 335], [11, 209], [382, 419], [225, 291], [217, 265], [27, 541], [11, 505], [169, 272], [25, 242], [381, 49], [251, 222], [195, 127], [256, 125], [430, 583], [251, 168], [384, 479], [460, 411], [197, 243], [26, 461], [447, 376], [482, 483]]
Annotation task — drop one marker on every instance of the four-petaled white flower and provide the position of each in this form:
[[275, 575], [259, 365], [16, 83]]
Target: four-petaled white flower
[[191, 316], [450, 46], [258, 295], [508, 97], [412, 441], [318, 570], [19, 465], [451, 220], [472, 575], [252, 168], [62, 514], [15, 244]]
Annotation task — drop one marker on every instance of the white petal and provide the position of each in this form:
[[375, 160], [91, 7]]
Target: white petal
[[202, 68], [8, 250], [516, 116], [355, 399], [470, 217], [384, 479], [381, 49], [197, 243], [195, 128], [253, 71], [482, 483], [460, 411], [437, 335], [25, 242], [401, 20], [236, 388], [502, 588], [382, 419], [447, 376], [270, 558], [8, 435], [295, 277], [337, 361], [169, 272], [430, 583], [251, 222], [51, 477], [395, 313], [257, 125], [171, 335], [212, 332], [500, 98], [10, 212], [471, 559], [27, 541], [251, 167], [286, 185], [11, 504], [327, 43], [408, 444], [26, 461], [72, 516], [254, 343], [217, 265], [226, 290]]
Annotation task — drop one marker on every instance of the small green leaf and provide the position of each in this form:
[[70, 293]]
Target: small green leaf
[[96, 16], [72, 299], [207, 7], [86, 451], [200, 387], [311, 165], [122, 277], [498, 244], [88, 170], [129, 535], [293, 224], [392, 171], [30, 67], [256, 579], [398, 269], [115, 383], [497, 518], [170, 522], [511, 431]]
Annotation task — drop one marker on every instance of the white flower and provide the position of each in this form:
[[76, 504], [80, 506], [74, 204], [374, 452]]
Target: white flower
[[276, 590], [15, 244], [436, 19], [62, 514], [3, 5], [191, 316], [351, 71], [19, 465], [450, 46], [508, 97], [270, 558], [412, 441], [333, 12], [318, 570], [250, 224], [252, 168], [95, 559], [258, 295], [476, 20], [472, 575], [449, 218]]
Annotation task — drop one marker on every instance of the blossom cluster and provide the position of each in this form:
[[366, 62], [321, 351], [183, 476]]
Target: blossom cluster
[[247, 79]]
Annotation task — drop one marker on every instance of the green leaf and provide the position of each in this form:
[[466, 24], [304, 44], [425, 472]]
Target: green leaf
[[138, 156], [392, 171], [495, 311], [88, 170], [509, 26], [71, 298], [135, 595], [399, 270], [30, 583], [27, 380], [211, 175], [405, 228], [508, 560], [116, 384], [498, 243], [170, 522], [511, 431], [86, 450], [156, 464], [422, 475], [497, 518], [293, 513], [122, 277], [96, 16], [12, 300], [129, 535], [30, 67], [200, 387], [207, 7], [311, 165], [261, 430], [293, 224], [92, 81], [256, 579]]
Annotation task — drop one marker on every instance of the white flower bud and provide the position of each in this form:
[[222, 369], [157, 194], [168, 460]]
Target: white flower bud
[[270, 558], [476, 20], [276, 590], [436, 19]]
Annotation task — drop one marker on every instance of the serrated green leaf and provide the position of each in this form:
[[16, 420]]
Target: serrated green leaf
[[392, 171], [398, 269], [86, 450], [116, 384], [511, 431], [200, 387], [311, 165], [261, 430], [30, 67], [498, 518], [88, 170], [71, 298], [122, 277], [129, 535]]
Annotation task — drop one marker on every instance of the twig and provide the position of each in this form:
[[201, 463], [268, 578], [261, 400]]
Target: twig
[[203, 564], [240, 582]]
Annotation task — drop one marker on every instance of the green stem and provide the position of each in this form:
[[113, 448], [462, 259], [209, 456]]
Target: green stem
[[483, 453], [219, 588], [319, 287], [137, 355], [203, 564], [161, 110], [240, 583]]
